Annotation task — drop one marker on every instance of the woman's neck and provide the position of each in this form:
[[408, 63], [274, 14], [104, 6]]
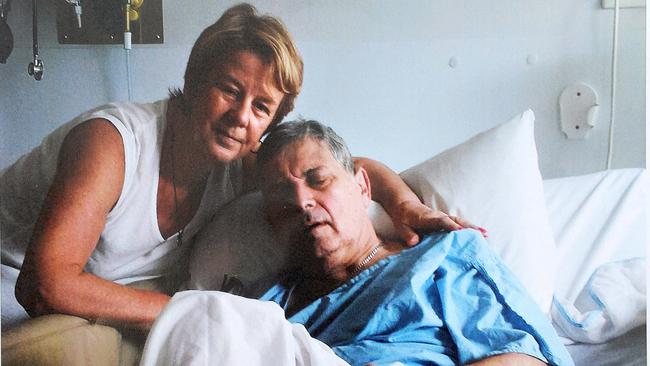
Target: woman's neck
[[190, 161]]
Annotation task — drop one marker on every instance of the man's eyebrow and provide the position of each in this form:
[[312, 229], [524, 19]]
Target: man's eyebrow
[[283, 182], [315, 170]]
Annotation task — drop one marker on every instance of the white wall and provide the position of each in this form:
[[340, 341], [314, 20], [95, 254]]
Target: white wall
[[377, 71]]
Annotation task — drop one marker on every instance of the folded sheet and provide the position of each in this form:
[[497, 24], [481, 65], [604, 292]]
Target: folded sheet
[[612, 302]]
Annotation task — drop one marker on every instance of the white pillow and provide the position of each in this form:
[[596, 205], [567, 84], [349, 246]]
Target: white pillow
[[239, 243], [493, 180]]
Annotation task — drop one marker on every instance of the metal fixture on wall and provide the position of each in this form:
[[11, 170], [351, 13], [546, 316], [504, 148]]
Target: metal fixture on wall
[[104, 22], [76, 4], [36, 67], [116, 22], [6, 37]]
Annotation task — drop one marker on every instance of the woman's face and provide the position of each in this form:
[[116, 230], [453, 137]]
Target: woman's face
[[234, 105]]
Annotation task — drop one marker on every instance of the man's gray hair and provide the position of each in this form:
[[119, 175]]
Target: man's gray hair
[[282, 135]]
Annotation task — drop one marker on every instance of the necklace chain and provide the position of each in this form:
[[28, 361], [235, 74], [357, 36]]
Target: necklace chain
[[367, 259], [179, 240]]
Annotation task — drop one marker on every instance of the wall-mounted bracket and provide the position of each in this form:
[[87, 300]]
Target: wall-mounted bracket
[[578, 110]]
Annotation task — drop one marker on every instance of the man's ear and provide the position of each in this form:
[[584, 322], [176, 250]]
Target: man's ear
[[361, 177]]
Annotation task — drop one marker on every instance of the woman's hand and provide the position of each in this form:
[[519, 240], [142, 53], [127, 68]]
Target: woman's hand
[[414, 217]]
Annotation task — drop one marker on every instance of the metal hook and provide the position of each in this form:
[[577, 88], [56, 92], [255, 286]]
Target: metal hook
[[36, 67]]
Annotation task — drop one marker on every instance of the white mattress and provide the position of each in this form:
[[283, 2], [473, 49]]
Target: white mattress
[[626, 350], [599, 218]]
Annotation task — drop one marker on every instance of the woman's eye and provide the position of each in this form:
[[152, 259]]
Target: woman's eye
[[262, 108]]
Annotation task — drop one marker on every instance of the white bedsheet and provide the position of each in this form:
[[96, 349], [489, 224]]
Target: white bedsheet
[[216, 328], [597, 218], [626, 350], [600, 219]]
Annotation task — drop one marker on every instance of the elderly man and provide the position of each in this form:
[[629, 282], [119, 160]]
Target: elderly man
[[447, 301]]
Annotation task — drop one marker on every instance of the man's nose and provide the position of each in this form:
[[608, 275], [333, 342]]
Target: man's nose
[[304, 198]]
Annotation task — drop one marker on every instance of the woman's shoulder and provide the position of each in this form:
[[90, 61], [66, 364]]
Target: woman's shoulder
[[133, 117]]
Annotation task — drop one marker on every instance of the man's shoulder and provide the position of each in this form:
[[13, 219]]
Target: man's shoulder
[[462, 247], [455, 241]]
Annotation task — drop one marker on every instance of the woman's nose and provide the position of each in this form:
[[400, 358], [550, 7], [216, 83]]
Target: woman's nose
[[240, 112]]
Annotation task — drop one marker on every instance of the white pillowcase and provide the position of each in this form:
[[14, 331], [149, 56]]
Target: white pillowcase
[[237, 243], [492, 180]]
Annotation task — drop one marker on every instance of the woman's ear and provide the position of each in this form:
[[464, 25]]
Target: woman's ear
[[361, 177]]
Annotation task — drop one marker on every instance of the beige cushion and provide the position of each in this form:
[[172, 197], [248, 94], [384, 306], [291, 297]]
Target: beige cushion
[[69, 340], [60, 340]]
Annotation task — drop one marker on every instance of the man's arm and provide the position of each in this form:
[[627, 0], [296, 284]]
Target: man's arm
[[86, 186], [509, 359]]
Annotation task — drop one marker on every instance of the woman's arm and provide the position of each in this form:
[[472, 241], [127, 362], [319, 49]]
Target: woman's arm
[[86, 186], [404, 207]]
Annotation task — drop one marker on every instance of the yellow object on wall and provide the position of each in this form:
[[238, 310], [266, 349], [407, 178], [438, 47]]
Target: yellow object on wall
[[134, 11]]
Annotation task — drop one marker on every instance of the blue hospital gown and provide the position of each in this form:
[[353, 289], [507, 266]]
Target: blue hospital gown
[[447, 301]]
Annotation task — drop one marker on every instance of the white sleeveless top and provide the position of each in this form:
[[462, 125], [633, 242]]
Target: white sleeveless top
[[131, 247]]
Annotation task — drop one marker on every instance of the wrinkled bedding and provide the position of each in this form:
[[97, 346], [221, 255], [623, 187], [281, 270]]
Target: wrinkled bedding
[[600, 222]]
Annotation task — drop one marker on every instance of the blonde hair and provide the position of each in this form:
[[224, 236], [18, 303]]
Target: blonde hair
[[241, 28]]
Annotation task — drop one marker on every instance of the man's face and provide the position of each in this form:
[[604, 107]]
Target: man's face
[[234, 105], [317, 205]]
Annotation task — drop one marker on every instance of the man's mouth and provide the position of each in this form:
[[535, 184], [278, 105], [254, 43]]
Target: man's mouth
[[311, 228], [314, 217]]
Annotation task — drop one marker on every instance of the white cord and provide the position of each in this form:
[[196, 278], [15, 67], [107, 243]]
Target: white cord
[[128, 76], [613, 88], [127, 49]]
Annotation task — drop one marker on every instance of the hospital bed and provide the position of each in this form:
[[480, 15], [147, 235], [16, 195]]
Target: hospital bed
[[577, 243]]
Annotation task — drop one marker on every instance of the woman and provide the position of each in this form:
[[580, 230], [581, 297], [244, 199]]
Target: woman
[[116, 195]]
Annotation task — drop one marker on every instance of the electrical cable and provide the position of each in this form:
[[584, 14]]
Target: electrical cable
[[612, 113], [127, 48], [129, 86]]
